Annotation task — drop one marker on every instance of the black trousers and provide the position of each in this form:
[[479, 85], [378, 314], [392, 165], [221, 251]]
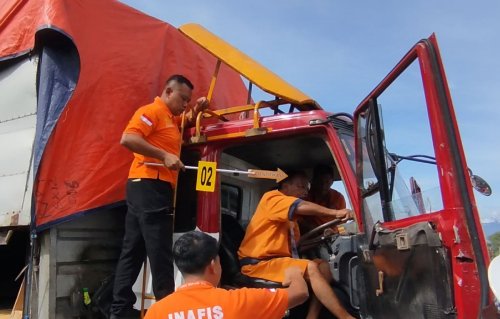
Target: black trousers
[[148, 231]]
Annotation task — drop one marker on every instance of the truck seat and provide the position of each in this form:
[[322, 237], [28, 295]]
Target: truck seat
[[231, 237]]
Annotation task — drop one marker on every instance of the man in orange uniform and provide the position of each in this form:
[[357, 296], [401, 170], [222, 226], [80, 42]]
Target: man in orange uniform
[[269, 245], [153, 136], [322, 194], [196, 256]]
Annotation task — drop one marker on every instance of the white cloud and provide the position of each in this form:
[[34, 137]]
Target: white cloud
[[492, 215]]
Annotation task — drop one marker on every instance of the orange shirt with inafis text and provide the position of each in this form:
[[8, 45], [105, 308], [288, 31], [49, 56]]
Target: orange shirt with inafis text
[[159, 127], [201, 300]]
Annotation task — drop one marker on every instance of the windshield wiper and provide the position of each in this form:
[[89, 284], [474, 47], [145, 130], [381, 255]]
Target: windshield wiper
[[415, 158], [478, 183]]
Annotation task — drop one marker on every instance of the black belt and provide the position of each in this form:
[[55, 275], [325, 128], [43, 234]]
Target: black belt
[[253, 261]]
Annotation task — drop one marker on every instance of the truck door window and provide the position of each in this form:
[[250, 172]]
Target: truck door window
[[408, 168]]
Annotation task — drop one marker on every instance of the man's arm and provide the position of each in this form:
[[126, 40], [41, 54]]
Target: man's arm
[[201, 104], [138, 144], [306, 208], [296, 286]]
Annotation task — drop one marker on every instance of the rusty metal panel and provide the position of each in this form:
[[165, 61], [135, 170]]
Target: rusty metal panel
[[17, 133]]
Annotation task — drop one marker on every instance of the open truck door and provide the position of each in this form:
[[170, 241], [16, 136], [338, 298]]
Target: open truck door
[[424, 254]]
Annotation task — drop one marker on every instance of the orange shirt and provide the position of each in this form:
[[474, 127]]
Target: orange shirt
[[201, 300], [269, 235], [159, 127]]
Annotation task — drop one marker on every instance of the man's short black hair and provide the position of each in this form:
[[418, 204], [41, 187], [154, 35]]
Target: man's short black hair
[[181, 79], [194, 251], [292, 174]]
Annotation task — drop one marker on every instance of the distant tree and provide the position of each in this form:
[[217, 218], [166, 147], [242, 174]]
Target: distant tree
[[495, 243]]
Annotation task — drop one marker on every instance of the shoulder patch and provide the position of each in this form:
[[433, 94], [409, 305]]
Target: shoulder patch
[[146, 120]]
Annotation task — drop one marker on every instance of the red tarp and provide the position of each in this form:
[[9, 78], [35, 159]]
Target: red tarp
[[125, 57]]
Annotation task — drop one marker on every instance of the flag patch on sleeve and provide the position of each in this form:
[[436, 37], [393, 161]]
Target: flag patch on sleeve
[[146, 120]]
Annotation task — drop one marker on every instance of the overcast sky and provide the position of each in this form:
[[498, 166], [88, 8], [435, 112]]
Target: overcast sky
[[337, 51]]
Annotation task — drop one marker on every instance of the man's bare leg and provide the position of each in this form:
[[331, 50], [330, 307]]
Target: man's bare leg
[[323, 291], [314, 307]]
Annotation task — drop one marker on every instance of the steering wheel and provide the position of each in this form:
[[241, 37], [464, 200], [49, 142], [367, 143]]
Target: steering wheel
[[316, 235]]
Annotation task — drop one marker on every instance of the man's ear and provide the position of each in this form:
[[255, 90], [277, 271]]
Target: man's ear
[[212, 266], [284, 187]]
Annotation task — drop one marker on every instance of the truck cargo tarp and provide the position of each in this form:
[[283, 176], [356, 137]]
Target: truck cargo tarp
[[117, 60]]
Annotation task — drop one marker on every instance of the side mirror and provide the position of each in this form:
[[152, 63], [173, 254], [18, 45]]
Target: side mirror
[[480, 184]]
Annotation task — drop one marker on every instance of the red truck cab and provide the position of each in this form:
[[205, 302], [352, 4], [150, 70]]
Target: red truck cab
[[416, 248]]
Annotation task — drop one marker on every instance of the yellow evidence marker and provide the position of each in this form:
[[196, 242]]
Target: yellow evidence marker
[[205, 180]]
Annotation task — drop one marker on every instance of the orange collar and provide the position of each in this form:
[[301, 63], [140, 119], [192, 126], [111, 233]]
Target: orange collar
[[160, 102], [201, 283]]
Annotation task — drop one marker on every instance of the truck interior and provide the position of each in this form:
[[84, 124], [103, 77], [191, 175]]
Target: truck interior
[[240, 196]]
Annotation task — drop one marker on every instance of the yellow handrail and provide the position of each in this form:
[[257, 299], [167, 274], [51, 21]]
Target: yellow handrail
[[256, 114], [212, 82], [236, 109]]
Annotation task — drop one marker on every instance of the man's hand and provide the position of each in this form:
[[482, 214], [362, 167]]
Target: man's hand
[[172, 162], [202, 104], [344, 214]]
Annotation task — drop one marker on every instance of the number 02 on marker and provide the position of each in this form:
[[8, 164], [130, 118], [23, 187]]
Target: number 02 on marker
[[205, 180]]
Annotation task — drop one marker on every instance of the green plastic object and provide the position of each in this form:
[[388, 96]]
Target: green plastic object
[[86, 297]]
